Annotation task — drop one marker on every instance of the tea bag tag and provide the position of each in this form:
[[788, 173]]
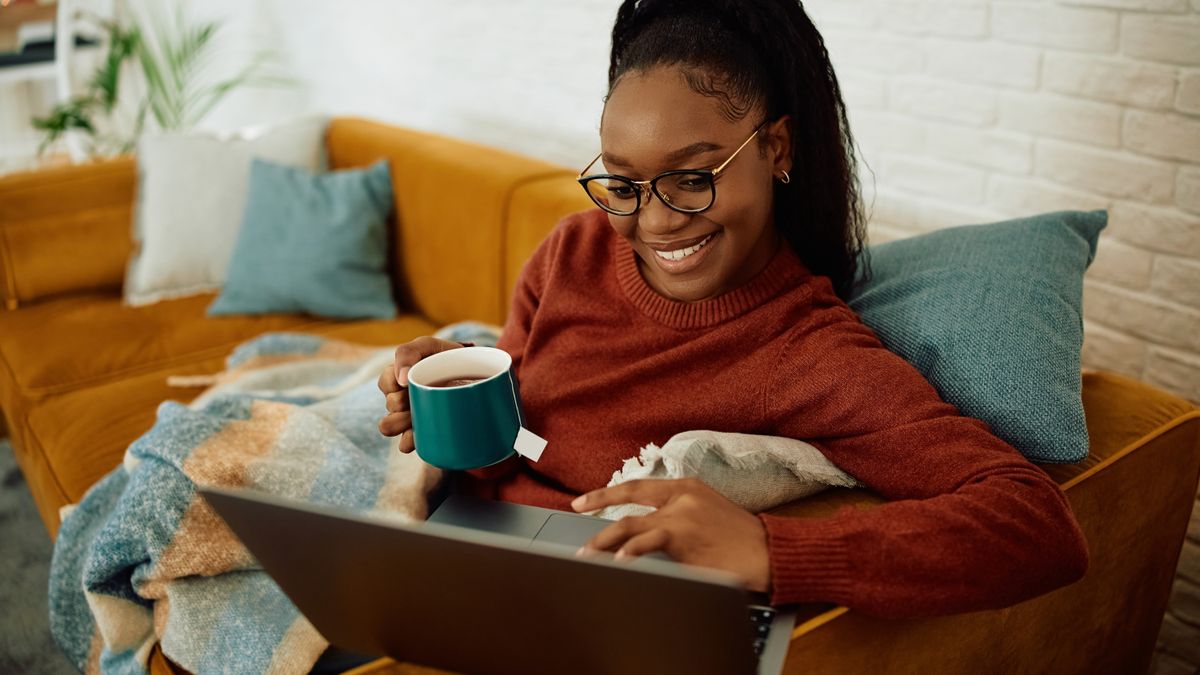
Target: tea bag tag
[[529, 445]]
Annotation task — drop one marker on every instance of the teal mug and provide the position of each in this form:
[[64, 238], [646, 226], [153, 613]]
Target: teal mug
[[466, 408]]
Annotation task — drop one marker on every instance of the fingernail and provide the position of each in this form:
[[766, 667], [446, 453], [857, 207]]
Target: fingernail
[[581, 551], [402, 377], [578, 502], [621, 555]]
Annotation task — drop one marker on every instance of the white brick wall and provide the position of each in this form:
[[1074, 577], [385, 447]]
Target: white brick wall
[[1007, 108], [1109, 79], [1167, 38]]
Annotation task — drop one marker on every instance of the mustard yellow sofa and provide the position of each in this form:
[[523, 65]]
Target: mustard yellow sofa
[[81, 376]]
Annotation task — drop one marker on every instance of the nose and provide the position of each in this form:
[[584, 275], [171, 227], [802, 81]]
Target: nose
[[658, 219]]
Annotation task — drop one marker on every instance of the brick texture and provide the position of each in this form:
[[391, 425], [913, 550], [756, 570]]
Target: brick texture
[[1185, 600], [1121, 264], [1112, 350], [1170, 136], [985, 63], [1116, 174], [1170, 39], [1109, 79], [1177, 279], [1041, 114], [1051, 25], [1188, 100], [1178, 639], [1157, 229], [1187, 189], [1177, 370], [940, 100]]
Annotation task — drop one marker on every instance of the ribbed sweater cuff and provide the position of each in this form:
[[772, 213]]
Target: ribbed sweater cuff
[[809, 560]]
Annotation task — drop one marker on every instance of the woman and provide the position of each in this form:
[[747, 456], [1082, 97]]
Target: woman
[[708, 292]]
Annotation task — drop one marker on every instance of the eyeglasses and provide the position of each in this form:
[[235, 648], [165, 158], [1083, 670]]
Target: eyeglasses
[[686, 191]]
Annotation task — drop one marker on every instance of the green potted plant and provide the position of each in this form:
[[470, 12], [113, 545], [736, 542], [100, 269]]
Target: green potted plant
[[166, 65]]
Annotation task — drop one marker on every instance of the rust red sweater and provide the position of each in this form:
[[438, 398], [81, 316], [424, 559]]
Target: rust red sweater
[[607, 365]]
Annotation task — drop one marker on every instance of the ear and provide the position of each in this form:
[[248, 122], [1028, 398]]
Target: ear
[[779, 144]]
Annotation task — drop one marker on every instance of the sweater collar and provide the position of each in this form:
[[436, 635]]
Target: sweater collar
[[784, 271]]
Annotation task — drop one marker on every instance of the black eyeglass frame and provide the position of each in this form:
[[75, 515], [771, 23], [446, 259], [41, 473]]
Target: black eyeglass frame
[[641, 187]]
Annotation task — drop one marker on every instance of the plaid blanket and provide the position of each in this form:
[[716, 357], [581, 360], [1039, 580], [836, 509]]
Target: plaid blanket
[[142, 559]]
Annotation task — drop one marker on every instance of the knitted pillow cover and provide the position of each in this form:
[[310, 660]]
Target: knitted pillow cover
[[313, 243], [991, 316]]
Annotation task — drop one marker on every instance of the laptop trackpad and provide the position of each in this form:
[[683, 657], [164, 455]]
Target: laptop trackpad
[[568, 529]]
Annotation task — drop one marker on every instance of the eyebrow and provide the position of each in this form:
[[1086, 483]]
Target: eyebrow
[[671, 158]]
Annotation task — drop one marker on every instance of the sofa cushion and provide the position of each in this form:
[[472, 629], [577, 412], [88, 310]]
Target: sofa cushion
[[79, 436], [992, 316], [96, 338], [312, 243]]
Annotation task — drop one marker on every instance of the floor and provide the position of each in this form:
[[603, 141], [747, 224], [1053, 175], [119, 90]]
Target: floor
[[25, 642]]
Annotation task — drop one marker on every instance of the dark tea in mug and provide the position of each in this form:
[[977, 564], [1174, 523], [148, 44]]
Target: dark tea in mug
[[456, 381]]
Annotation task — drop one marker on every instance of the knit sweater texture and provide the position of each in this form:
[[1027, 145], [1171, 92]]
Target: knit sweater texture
[[606, 365]]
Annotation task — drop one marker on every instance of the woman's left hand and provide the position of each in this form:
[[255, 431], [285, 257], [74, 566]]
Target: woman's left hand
[[693, 524]]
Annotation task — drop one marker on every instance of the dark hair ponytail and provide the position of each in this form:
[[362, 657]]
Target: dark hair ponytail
[[767, 53]]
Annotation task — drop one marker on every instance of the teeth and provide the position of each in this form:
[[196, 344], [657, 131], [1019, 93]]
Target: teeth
[[683, 252]]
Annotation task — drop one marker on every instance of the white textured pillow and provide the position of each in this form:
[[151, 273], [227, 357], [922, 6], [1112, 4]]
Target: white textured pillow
[[191, 194], [755, 472]]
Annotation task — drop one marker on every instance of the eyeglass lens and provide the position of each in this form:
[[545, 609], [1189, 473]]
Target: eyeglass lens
[[681, 191]]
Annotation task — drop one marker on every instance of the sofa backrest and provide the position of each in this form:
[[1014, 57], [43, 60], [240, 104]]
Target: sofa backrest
[[467, 216], [65, 230]]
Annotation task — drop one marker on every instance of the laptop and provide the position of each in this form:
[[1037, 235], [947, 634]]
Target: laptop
[[495, 588]]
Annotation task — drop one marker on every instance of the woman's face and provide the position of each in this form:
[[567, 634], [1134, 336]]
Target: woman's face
[[654, 122]]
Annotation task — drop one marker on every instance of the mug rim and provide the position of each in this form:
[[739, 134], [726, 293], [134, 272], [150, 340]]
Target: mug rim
[[433, 360]]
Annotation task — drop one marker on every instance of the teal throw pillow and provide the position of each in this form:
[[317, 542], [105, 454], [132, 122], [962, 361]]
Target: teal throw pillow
[[991, 315], [312, 243]]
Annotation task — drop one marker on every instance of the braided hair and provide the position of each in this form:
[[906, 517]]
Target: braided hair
[[764, 54]]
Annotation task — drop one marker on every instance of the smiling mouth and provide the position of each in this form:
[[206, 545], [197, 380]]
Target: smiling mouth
[[680, 254]]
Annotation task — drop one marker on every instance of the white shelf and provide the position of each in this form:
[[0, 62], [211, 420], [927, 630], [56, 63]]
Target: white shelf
[[31, 72]]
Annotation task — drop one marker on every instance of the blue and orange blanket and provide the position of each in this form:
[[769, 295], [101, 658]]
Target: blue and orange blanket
[[142, 559]]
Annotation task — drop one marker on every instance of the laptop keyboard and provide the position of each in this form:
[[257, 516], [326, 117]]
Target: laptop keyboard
[[760, 619]]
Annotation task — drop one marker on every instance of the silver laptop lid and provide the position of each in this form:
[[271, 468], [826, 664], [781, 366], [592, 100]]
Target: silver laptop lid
[[478, 602]]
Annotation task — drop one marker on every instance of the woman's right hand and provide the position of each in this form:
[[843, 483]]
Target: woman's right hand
[[393, 382]]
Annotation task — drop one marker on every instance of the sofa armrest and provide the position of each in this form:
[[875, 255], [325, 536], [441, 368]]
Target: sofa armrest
[[1133, 498], [65, 229]]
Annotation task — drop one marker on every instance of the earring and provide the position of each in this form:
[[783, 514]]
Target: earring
[[786, 178]]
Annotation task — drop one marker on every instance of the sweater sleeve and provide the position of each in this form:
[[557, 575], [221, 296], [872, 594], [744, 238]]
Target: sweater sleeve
[[971, 524]]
